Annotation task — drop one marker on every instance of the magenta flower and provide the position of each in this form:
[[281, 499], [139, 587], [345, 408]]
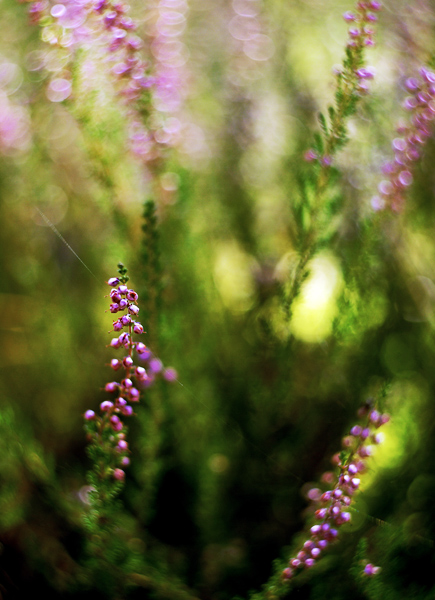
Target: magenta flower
[[408, 148], [331, 506], [352, 82], [371, 570], [109, 427]]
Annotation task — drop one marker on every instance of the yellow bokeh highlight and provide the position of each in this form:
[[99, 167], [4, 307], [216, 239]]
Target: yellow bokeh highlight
[[401, 435], [233, 277], [315, 308]]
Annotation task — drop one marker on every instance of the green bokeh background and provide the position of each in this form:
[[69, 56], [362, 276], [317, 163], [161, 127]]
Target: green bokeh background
[[222, 457]]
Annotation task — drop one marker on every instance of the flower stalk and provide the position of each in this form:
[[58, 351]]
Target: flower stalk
[[331, 507], [319, 199], [106, 432]]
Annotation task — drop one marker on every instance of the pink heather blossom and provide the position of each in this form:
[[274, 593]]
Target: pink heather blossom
[[352, 81], [408, 148], [133, 379], [330, 506]]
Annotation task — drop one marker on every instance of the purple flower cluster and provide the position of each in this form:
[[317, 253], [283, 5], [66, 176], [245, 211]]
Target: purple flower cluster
[[169, 81], [134, 377], [407, 148], [64, 27], [102, 23], [353, 79], [153, 90], [124, 46], [361, 32], [331, 507]]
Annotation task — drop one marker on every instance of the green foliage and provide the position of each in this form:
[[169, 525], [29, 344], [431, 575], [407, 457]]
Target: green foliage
[[323, 124], [267, 281], [151, 269]]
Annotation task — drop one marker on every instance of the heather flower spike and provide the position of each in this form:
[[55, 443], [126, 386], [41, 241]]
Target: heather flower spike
[[352, 82], [331, 508], [408, 146], [317, 196], [107, 431]]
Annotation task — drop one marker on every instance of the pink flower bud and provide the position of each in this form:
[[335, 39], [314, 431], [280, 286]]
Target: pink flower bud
[[365, 451], [111, 387], [115, 343], [365, 73], [133, 395], [308, 545], [352, 469], [114, 419], [132, 296], [141, 373], [349, 17], [310, 562], [123, 338], [127, 362], [137, 328], [115, 364], [371, 570], [365, 433], [143, 351], [122, 445], [310, 155], [115, 296], [133, 309], [117, 325], [119, 474]]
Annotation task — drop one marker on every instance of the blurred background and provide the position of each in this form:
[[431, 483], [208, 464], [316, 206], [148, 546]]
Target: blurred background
[[223, 457]]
